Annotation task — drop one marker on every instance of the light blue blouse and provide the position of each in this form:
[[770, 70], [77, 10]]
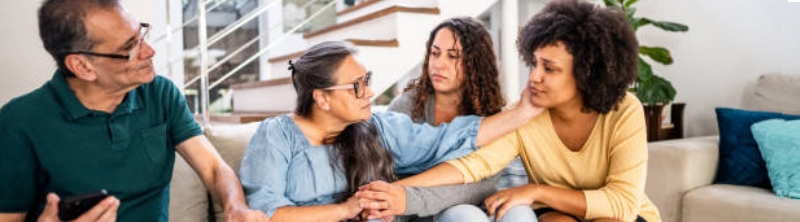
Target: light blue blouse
[[281, 168]]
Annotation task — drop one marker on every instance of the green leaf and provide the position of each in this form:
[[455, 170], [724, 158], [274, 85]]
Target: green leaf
[[630, 2], [629, 12], [670, 26], [639, 22], [645, 71], [658, 54], [656, 90], [611, 3]]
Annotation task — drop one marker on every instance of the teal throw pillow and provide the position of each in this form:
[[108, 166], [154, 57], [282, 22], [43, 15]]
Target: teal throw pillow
[[779, 142], [740, 162]]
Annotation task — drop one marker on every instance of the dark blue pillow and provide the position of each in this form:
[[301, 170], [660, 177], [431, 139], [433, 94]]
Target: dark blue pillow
[[740, 161]]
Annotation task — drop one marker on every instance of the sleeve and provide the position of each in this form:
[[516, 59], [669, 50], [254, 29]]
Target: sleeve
[[417, 147], [427, 201], [264, 169], [621, 196], [490, 159], [17, 169], [402, 104], [181, 123]]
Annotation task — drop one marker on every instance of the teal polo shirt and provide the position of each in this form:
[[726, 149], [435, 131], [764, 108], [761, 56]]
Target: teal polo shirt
[[50, 142]]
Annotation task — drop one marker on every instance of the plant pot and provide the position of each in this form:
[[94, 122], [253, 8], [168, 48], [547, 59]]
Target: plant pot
[[653, 115]]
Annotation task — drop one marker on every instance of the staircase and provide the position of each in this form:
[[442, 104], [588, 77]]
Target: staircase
[[390, 36]]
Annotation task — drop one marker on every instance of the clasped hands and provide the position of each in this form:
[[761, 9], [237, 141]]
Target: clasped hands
[[381, 200]]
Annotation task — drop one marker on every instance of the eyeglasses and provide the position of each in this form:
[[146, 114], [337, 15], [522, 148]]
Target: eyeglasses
[[144, 32], [360, 86]]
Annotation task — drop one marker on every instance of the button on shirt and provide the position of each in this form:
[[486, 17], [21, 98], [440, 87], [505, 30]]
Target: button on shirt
[[50, 142], [281, 168]]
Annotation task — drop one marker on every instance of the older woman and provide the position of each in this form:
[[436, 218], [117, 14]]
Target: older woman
[[305, 166], [586, 155]]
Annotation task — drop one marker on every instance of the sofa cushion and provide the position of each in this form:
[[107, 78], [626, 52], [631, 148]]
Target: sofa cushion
[[775, 93], [231, 142], [730, 203], [740, 162], [779, 142], [188, 199]]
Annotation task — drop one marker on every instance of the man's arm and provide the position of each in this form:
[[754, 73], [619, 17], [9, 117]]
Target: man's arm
[[218, 178]]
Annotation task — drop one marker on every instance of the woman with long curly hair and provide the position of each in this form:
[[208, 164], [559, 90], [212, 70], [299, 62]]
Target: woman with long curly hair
[[459, 77], [587, 153]]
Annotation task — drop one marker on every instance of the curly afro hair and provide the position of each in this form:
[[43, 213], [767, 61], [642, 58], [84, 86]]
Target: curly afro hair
[[601, 41], [480, 89]]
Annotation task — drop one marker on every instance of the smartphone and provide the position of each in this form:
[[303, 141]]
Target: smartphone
[[71, 208]]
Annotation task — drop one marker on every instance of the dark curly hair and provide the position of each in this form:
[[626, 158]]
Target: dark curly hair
[[480, 89], [601, 41]]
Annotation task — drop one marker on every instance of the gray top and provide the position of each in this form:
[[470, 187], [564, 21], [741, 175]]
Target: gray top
[[405, 104], [427, 201]]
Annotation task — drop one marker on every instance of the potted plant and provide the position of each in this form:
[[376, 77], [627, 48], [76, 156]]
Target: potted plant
[[653, 90]]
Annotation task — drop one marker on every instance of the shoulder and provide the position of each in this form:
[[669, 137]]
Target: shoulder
[[403, 103], [629, 105], [280, 130], [19, 107]]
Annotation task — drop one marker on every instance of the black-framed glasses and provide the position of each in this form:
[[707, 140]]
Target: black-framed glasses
[[360, 86], [144, 32]]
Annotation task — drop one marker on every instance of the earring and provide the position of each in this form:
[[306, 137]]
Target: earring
[[326, 107]]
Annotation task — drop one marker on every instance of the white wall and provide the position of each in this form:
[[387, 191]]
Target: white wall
[[26, 65], [729, 44]]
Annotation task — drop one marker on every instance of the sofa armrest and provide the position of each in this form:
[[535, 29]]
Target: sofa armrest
[[677, 166]]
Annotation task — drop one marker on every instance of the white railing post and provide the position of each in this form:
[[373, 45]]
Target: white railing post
[[202, 37], [509, 58]]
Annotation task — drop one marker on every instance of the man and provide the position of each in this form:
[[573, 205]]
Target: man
[[104, 121]]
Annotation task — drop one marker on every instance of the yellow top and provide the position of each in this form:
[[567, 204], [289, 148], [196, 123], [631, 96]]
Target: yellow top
[[610, 169]]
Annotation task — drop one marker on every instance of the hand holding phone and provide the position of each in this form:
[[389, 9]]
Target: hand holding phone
[[71, 208]]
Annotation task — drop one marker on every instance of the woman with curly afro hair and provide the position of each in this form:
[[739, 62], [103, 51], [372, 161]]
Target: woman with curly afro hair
[[586, 155]]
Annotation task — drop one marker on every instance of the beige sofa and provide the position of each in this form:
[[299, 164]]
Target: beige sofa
[[680, 172], [189, 200]]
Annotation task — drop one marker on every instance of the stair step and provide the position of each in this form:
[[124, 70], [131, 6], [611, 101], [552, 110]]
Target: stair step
[[357, 42], [372, 16]]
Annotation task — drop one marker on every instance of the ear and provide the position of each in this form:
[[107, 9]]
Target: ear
[[81, 67], [322, 99]]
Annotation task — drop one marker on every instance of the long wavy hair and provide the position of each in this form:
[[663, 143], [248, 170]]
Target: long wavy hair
[[600, 40], [362, 156], [480, 87]]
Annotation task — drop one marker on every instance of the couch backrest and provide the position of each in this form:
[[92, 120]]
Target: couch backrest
[[189, 200], [775, 93]]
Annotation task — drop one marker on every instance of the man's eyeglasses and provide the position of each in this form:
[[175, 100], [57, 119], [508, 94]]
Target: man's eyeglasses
[[144, 32], [360, 86]]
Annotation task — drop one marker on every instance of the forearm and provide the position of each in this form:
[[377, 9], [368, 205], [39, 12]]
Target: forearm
[[12, 217], [225, 188], [442, 174], [427, 201], [497, 125], [565, 200], [319, 213]]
